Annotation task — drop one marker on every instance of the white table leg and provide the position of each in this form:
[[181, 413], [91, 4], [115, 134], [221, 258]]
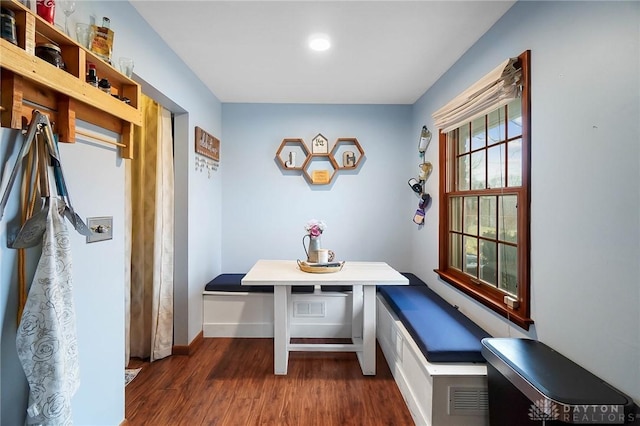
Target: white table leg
[[281, 313], [356, 312], [368, 359]]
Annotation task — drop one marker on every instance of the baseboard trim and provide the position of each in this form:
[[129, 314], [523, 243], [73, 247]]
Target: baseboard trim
[[189, 349]]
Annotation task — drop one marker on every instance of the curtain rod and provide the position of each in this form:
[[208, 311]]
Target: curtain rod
[[98, 138]]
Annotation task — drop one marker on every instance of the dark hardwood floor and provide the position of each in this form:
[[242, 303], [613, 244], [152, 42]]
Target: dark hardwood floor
[[231, 382]]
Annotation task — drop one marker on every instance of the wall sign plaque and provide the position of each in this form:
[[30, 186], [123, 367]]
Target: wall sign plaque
[[320, 177], [319, 145], [207, 144]]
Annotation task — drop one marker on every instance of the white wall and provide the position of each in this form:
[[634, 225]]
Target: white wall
[[585, 220], [96, 177], [265, 209]]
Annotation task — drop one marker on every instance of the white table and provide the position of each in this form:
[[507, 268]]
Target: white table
[[362, 276]]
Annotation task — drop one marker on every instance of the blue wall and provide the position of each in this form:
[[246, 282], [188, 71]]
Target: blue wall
[[585, 209], [368, 212], [95, 174]]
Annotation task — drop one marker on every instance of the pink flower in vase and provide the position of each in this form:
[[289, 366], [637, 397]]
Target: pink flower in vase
[[315, 227]]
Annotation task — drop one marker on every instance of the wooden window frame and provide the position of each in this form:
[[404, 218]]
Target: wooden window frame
[[489, 296]]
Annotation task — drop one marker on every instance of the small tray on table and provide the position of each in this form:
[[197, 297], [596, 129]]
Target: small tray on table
[[320, 268]]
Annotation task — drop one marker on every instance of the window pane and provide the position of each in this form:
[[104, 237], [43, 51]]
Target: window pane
[[497, 126], [508, 260], [478, 170], [470, 255], [496, 166], [463, 139], [489, 262], [478, 137], [471, 215], [485, 210], [508, 218], [515, 163], [463, 173], [488, 214], [514, 111], [455, 249], [456, 214]]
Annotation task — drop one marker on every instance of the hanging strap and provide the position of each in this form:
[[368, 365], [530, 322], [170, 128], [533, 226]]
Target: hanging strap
[[63, 191], [28, 198], [37, 120]]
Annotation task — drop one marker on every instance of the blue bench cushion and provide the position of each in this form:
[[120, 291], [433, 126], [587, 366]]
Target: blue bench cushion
[[442, 333], [336, 288], [413, 280], [233, 283]]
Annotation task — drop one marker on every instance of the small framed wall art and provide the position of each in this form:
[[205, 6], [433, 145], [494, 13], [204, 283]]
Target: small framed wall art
[[207, 144], [319, 145]]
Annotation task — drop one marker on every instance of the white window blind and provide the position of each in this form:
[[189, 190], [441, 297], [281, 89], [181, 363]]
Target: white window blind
[[493, 90]]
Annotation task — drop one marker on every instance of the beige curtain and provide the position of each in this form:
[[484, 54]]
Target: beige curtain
[[495, 89], [149, 176]]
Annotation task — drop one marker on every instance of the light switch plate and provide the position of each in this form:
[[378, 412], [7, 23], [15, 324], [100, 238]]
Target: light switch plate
[[101, 228]]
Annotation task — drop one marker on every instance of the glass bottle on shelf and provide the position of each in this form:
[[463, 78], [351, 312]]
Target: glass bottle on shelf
[[102, 42], [92, 77]]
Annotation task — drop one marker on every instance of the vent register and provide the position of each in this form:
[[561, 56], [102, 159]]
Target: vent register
[[309, 309], [468, 401]]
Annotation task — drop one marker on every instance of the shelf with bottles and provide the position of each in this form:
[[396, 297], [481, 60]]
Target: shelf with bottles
[[29, 80]]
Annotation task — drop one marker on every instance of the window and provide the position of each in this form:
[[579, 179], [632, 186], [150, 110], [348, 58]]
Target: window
[[484, 202]]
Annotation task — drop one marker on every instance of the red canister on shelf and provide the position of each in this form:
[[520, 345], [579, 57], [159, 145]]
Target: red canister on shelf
[[46, 9]]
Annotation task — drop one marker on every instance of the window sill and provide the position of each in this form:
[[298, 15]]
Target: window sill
[[499, 307]]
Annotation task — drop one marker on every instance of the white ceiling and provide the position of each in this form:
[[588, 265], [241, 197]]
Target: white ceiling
[[383, 52]]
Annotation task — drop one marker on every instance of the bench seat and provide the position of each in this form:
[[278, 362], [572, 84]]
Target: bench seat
[[233, 283], [230, 309], [434, 354], [441, 331]]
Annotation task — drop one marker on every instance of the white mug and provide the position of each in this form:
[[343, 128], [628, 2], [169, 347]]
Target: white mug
[[323, 255]]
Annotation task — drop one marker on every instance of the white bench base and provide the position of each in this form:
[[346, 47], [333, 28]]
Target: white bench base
[[436, 394], [243, 314]]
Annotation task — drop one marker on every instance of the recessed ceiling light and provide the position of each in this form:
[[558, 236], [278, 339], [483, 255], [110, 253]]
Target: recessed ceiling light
[[319, 42]]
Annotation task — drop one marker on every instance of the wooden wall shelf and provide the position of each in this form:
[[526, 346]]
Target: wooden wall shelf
[[29, 82], [316, 176], [296, 146]]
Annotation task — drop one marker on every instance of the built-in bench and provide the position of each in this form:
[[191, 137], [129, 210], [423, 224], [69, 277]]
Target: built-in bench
[[440, 330], [434, 353], [231, 309], [233, 283]]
